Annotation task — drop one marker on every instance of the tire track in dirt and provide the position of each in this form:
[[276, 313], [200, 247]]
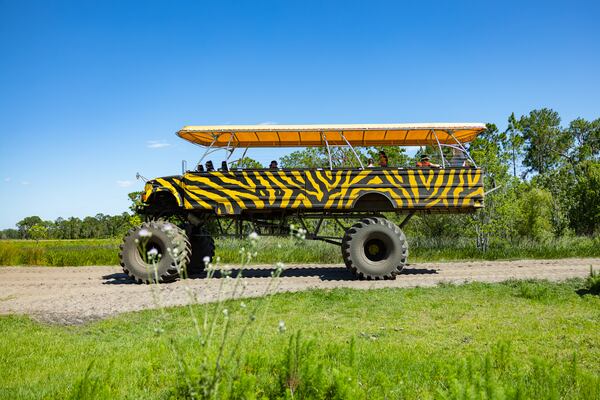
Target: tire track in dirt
[[72, 295]]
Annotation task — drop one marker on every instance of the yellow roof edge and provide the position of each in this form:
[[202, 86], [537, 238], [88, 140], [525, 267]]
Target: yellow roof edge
[[414, 134], [333, 127]]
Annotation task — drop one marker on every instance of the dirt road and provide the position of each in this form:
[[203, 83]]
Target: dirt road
[[71, 295]]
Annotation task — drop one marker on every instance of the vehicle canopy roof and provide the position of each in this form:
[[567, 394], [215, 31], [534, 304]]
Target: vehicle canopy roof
[[419, 134]]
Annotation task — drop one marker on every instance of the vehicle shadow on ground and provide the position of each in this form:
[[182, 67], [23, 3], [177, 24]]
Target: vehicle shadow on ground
[[324, 274]]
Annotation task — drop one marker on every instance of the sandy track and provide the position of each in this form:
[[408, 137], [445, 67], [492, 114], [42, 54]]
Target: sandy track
[[72, 295]]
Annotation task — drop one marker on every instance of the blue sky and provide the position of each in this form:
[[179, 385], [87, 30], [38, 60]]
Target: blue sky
[[92, 92]]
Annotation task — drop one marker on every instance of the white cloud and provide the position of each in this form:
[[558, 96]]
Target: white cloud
[[124, 184], [157, 144], [268, 123], [7, 179], [24, 182]]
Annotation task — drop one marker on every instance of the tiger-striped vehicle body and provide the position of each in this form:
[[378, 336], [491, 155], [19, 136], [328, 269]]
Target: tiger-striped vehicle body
[[339, 190], [237, 201]]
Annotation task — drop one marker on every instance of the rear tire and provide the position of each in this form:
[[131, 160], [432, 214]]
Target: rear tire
[[164, 239], [202, 246], [375, 248]]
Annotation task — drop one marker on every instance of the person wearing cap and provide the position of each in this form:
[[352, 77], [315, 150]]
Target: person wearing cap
[[425, 163]]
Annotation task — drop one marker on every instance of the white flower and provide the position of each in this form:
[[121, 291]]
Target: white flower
[[206, 260], [225, 312], [144, 233], [253, 236], [152, 252], [242, 305], [279, 267], [281, 326], [167, 228]]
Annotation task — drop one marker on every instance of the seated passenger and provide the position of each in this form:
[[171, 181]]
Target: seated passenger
[[200, 168], [210, 166], [370, 165], [224, 166], [458, 158], [425, 163], [273, 165], [383, 159]]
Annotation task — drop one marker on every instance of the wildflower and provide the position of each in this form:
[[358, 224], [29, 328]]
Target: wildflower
[[137, 241], [253, 236], [242, 305], [281, 327], [152, 252], [225, 312], [206, 260], [144, 233], [158, 331], [279, 267], [167, 228]]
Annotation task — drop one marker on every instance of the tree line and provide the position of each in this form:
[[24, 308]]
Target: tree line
[[100, 226]]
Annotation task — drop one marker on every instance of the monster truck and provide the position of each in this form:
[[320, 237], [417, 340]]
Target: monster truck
[[184, 213]]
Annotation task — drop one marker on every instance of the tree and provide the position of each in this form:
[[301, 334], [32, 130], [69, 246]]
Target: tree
[[136, 201], [546, 143], [9, 234], [586, 138], [536, 214], [318, 157], [513, 144], [37, 232], [585, 213], [496, 220], [246, 162], [26, 224]]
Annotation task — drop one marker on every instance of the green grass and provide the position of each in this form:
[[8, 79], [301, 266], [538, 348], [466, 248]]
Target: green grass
[[484, 341], [105, 251]]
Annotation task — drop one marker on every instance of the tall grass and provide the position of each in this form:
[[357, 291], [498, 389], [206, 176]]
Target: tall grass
[[294, 251]]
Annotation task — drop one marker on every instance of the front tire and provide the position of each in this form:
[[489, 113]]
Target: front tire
[[156, 251], [375, 248]]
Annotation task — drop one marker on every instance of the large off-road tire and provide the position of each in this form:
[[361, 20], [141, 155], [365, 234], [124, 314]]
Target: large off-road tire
[[375, 248], [166, 240], [202, 245]]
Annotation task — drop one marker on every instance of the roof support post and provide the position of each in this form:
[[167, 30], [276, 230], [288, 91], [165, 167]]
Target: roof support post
[[463, 148], [229, 149], [208, 149], [328, 150], [352, 148], [439, 147]]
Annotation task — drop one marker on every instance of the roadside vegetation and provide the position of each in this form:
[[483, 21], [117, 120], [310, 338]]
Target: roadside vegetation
[[515, 340], [59, 253]]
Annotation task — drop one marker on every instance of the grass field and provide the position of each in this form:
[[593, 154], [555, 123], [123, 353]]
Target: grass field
[[516, 340], [105, 251]]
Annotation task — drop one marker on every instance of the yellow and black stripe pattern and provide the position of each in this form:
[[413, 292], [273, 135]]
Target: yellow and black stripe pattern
[[231, 192]]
